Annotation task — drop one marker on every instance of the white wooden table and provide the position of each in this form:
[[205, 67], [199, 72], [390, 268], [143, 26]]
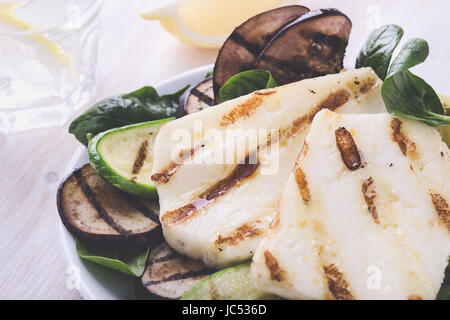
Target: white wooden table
[[133, 53]]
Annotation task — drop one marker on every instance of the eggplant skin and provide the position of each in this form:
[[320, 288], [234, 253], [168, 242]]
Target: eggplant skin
[[142, 293], [313, 45], [200, 96], [291, 42], [169, 275], [152, 236], [242, 48]]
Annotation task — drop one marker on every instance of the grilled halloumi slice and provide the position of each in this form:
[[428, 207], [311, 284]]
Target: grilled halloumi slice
[[215, 202], [364, 215]]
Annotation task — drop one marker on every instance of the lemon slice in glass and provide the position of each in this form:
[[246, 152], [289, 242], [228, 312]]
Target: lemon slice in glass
[[207, 23], [8, 17]]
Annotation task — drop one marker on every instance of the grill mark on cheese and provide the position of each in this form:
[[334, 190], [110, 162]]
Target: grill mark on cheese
[[165, 175], [303, 152], [102, 213], [300, 176], [302, 184], [242, 111], [276, 273], [297, 127], [239, 174], [332, 102], [275, 221], [407, 147], [442, 208], [414, 297], [337, 284], [348, 149], [240, 234], [327, 253], [368, 190], [265, 92]]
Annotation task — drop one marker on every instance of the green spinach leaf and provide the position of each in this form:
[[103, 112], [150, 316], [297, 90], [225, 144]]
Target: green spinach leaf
[[129, 260], [139, 106], [378, 49], [246, 82]]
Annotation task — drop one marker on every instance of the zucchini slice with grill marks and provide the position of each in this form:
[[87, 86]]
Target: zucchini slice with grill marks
[[124, 157], [233, 283]]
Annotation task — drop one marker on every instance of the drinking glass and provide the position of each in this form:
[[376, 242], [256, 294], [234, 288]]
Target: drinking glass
[[48, 58]]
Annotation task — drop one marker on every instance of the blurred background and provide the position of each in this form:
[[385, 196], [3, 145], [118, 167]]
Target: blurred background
[[132, 52]]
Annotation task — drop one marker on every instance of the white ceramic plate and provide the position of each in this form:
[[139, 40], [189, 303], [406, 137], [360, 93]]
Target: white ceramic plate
[[418, 18], [97, 282]]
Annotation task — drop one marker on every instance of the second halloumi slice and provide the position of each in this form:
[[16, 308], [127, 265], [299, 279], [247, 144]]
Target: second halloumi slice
[[216, 203], [364, 215]]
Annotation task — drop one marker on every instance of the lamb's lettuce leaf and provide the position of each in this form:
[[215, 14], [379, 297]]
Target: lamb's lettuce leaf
[[378, 49], [404, 93], [414, 52]]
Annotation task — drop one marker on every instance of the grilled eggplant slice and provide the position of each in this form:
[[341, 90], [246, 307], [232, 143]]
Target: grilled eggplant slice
[[240, 51], [169, 275], [313, 45], [92, 209], [197, 98], [379, 229]]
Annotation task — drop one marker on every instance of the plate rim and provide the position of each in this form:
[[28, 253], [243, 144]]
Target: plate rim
[[63, 240]]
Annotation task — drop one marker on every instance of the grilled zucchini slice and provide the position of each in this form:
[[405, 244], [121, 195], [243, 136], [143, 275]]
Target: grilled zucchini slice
[[232, 283], [124, 157]]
